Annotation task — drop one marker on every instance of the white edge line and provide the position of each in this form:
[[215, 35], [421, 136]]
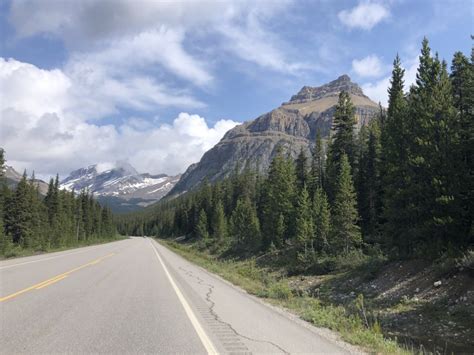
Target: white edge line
[[194, 321]]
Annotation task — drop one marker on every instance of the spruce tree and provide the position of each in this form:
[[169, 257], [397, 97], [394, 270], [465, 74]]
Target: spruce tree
[[395, 141], [316, 176], [346, 232], [201, 230], [277, 201], [301, 170], [462, 78], [245, 226], [343, 141], [18, 214], [369, 184], [322, 221], [219, 223], [304, 223]]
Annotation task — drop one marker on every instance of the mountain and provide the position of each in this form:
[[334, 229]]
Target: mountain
[[12, 178], [292, 126], [122, 187]]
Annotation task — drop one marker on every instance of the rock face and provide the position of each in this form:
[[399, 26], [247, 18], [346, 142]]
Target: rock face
[[122, 187], [292, 126]]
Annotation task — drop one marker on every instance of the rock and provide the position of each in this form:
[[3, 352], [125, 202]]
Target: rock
[[352, 293], [417, 290], [437, 284], [292, 127]]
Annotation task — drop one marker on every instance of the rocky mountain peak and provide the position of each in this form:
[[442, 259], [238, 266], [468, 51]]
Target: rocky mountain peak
[[292, 126], [333, 88]]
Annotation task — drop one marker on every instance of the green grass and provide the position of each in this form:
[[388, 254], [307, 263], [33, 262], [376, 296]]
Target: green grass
[[348, 321], [18, 252]]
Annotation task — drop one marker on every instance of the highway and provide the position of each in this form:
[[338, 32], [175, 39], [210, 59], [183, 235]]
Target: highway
[[136, 296]]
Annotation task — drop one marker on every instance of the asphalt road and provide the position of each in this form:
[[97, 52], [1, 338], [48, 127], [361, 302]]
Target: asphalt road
[[136, 296]]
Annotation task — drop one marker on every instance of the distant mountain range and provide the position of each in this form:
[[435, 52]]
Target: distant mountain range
[[122, 187], [292, 126]]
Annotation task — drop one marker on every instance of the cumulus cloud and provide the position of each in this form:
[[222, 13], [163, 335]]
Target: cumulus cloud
[[57, 137], [370, 66], [365, 15]]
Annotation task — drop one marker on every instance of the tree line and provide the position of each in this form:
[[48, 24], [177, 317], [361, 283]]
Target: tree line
[[403, 183], [31, 221]]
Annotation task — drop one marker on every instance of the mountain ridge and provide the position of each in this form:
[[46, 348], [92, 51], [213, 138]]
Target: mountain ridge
[[122, 186]]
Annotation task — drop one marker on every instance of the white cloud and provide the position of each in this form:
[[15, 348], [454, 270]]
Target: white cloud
[[153, 32], [365, 15], [370, 66], [377, 90], [58, 137]]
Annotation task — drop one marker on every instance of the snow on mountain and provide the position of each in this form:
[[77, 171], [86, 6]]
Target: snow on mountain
[[121, 182]]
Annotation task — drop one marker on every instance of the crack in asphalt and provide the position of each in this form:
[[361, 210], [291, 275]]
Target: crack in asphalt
[[216, 316]]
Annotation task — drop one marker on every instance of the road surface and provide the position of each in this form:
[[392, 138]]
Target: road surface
[[136, 296]]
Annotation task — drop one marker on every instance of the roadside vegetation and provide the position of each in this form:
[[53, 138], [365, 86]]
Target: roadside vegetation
[[398, 190], [354, 322]]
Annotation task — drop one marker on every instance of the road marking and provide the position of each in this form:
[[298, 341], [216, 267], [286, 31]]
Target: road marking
[[54, 279], [51, 257], [51, 282], [189, 312]]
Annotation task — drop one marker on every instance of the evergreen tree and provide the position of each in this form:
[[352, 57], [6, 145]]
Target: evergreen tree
[[201, 230], [245, 226], [219, 223], [395, 138], [369, 184], [304, 223], [462, 78], [343, 140], [277, 201], [18, 214], [316, 179], [322, 221], [346, 232], [301, 170]]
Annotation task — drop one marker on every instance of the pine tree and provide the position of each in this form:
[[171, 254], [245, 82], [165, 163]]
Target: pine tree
[[277, 201], [301, 170], [304, 223], [369, 184], [316, 179], [245, 226], [18, 214], [346, 232], [462, 78], [343, 141], [395, 141], [322, 221], [202, 232], [219, 223]]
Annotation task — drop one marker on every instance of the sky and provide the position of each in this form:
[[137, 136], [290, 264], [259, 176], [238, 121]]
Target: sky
[[158, 83]]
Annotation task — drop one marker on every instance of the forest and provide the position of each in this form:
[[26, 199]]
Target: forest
[[30, 222], [401, 186]]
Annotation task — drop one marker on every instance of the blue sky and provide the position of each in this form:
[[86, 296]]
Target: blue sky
[[159, 83]]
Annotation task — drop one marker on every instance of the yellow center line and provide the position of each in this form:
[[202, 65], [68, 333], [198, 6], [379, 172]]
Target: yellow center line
[[54, 279], [51, 282]]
